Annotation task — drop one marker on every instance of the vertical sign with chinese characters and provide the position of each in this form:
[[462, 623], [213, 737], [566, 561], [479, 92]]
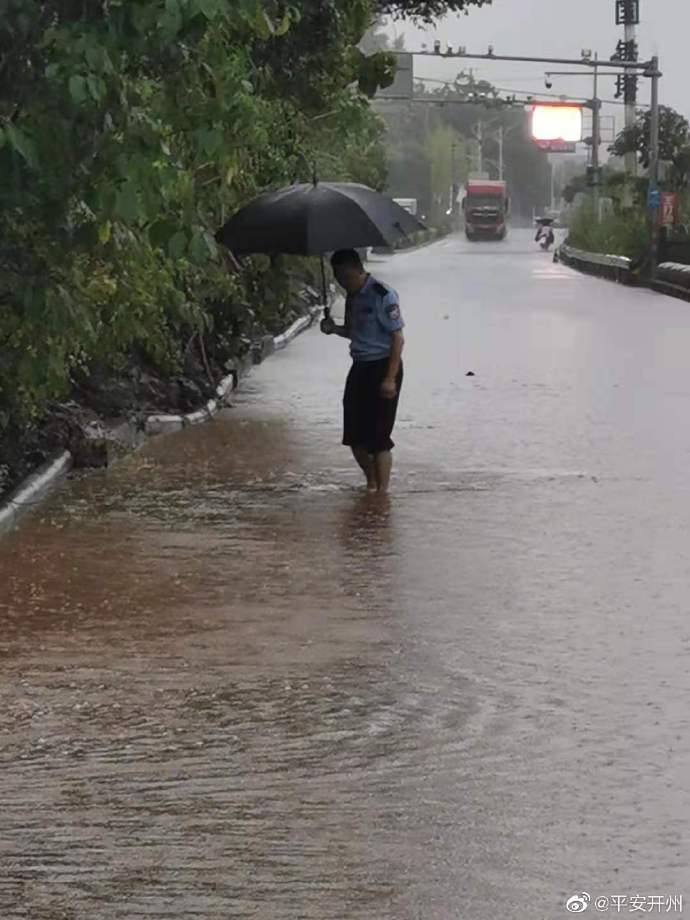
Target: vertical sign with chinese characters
[[668, 209], [626, 83], [627, 12], [628, 16]]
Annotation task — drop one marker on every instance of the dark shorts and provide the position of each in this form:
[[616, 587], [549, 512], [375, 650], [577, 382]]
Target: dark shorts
[[368, 418]]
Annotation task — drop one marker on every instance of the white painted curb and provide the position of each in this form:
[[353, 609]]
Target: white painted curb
[[304, 322], [164, 424], [34, 488], [161, 424]]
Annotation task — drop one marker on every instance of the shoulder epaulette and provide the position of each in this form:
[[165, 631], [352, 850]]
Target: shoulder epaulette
[[380, 289]]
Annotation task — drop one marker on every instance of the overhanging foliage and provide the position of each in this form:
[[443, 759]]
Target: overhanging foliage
[[129, 130]]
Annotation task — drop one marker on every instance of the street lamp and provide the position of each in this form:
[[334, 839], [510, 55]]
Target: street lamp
[[649, 69], [595, 106]]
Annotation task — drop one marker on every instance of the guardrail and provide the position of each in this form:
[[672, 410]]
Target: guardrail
[[415, 241], [617, 268], [673, 278]]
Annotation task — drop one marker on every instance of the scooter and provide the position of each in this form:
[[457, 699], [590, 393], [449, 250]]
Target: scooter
[[545, 237]]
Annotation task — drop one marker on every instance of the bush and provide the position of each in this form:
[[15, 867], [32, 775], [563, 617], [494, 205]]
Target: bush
[[128, 133], [625, 233]]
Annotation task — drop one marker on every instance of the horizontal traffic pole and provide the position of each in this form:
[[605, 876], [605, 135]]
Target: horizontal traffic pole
[[573, 62]]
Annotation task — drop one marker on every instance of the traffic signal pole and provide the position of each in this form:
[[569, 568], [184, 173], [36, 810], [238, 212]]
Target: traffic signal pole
[[648, 69], [654, 197], [596, 135], [573, 62], [630, 113]]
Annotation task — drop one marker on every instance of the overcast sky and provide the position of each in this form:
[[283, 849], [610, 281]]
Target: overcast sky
[[562, 28]]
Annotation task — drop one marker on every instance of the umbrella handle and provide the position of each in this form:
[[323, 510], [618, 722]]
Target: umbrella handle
[[324, 292]]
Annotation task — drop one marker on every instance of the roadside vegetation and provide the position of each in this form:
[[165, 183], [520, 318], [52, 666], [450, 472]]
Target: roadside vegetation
[[624, 230], [623, 233], [432, 144], [129, 131]]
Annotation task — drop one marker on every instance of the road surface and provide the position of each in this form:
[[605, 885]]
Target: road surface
[[234, 686]]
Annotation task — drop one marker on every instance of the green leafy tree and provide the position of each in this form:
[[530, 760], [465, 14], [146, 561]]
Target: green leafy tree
[[425, 10], [459, 107], [129, 131], [674, 143]]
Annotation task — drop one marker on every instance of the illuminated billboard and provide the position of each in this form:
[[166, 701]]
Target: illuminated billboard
[[556, 123]]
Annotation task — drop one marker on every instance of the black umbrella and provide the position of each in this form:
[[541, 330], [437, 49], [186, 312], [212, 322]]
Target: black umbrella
[[315, 218]]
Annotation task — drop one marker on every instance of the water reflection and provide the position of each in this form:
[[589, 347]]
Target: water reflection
[[234, 684]]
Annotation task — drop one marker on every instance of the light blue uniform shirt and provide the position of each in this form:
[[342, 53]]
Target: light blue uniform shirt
[[371, 316]]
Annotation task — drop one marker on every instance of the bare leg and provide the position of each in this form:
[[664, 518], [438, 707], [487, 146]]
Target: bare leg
[[383, 464], [366, 464]]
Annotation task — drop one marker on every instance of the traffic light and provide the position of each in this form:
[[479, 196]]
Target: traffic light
[[593, 176]]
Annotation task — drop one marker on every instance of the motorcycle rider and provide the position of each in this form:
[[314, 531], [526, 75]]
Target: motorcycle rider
[[545, 236]]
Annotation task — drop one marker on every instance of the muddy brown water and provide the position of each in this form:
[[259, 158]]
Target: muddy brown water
[[232, 685]]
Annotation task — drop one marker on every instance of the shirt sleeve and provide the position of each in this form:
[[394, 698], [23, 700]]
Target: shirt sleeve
[[347, 320], [388, 312]]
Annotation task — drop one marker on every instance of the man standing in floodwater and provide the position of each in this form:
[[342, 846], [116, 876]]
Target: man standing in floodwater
[[374, 325]]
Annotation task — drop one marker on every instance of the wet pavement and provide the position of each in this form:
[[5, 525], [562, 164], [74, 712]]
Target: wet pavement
[[233, 685]]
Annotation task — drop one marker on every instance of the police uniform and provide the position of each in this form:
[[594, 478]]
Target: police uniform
[[372, 315]]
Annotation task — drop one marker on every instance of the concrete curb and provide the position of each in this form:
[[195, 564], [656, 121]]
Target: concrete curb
[[304, 322], [613, 267], [425, 245], [671, 290], [164, 424], [673, 279], [34, 489], [399, 251], [36, 486]]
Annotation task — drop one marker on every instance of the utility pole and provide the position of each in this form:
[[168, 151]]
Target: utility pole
[[654, 140], [654, 197], [650, 69], [452, 179], [630, 100], [500, 152], [595, 105], [480, 141], [596, 139]]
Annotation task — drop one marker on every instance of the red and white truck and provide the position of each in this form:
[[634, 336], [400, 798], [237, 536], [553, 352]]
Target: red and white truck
[[485, 206]]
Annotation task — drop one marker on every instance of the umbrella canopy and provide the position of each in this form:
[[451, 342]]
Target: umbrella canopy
[[311, 219]]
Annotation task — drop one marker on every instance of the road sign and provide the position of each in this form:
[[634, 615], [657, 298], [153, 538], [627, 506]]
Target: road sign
[[403, 85], [627, 12], [558, 146], [654, 198], [668, 209]]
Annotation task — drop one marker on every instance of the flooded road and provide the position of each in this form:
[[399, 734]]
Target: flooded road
[[233, 685]]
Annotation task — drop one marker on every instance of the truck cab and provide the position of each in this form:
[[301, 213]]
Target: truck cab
[[485, 207]]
